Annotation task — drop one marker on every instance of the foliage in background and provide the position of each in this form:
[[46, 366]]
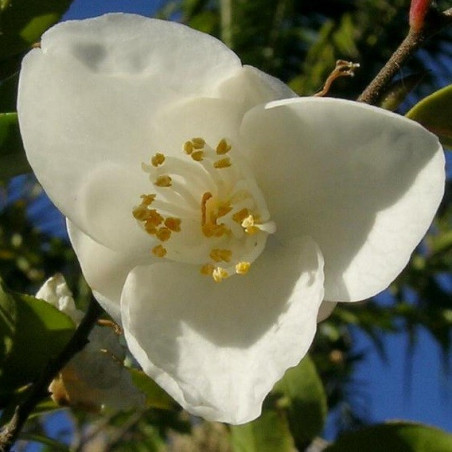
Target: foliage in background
[[298, 42]]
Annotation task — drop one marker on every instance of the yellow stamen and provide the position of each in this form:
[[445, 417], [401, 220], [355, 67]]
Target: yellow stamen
[[219, 255], [198, 143], [197, 156], [223, 147], [158, 159], [207, 269], [141, 213], [214, 230], [188, 147], [147, 200], [248, 221], [219, 274], [163, 181], [220, 230], [159, 251], [248, 225], [242, 268], [150, 227], [154, 217], [223, 163], [239, 216], [173, 224], [163, 234]]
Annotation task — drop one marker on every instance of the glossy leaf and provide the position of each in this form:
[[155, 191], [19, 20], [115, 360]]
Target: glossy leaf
[[32, 333], [24, 21], [156, 397], [304, 400], [269, 433], [435, 113], [12, 154], [396, 436]]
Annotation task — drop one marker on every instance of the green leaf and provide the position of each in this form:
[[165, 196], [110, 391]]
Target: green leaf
[[54, 445], [156, 397], [22, 22], [435, 114], [12, 154], [396, 93], [269, 433], [396, 436], [304, 399], [32, 332]]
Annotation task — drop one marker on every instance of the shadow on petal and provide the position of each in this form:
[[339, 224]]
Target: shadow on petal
[[362, 182], [229, 340]]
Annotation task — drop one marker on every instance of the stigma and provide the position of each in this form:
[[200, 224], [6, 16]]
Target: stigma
[[204, 208]]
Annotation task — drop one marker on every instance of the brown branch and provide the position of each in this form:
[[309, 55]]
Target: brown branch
[[38, 390], [434, 23]]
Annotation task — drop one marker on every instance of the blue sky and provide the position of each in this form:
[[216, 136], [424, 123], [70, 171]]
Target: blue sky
[[424, 393]]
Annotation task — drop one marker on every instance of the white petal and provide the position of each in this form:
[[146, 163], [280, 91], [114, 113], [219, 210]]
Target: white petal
[[104, 270], [218, 348], [57, 293], [168, 53], [211, 119], [363, 182], [251, 87], [86, 105]]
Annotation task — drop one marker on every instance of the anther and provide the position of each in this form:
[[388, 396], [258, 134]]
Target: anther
[[219, 255], [147, 200], [239, 216], [159, 251], [173, 224], [150, 227], [188, 147], [223, 163], [141, 212], [154, 217], [163, 234], [197, 156], [242, 268], [248, 225], [198, 143], [248, 221], [157, 160], [207, 269], [223, 147], [219, 274], [163, 181]]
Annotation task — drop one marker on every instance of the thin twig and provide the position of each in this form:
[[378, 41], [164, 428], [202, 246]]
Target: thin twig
[[39, 389], [434, 23], [343, 69]]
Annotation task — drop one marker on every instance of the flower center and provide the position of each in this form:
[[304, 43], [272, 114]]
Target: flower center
[[205, 208]]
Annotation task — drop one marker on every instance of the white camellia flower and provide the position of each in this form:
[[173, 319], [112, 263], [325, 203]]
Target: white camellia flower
[[216, 214], [95, 377]]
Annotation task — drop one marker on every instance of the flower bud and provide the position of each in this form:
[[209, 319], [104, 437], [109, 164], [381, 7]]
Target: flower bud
[[418, 11]]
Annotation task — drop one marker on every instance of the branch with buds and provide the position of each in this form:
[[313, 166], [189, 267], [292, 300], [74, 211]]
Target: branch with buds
[[425, 22]]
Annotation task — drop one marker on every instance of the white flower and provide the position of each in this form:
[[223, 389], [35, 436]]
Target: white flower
[[95, 377], [202, 207]]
